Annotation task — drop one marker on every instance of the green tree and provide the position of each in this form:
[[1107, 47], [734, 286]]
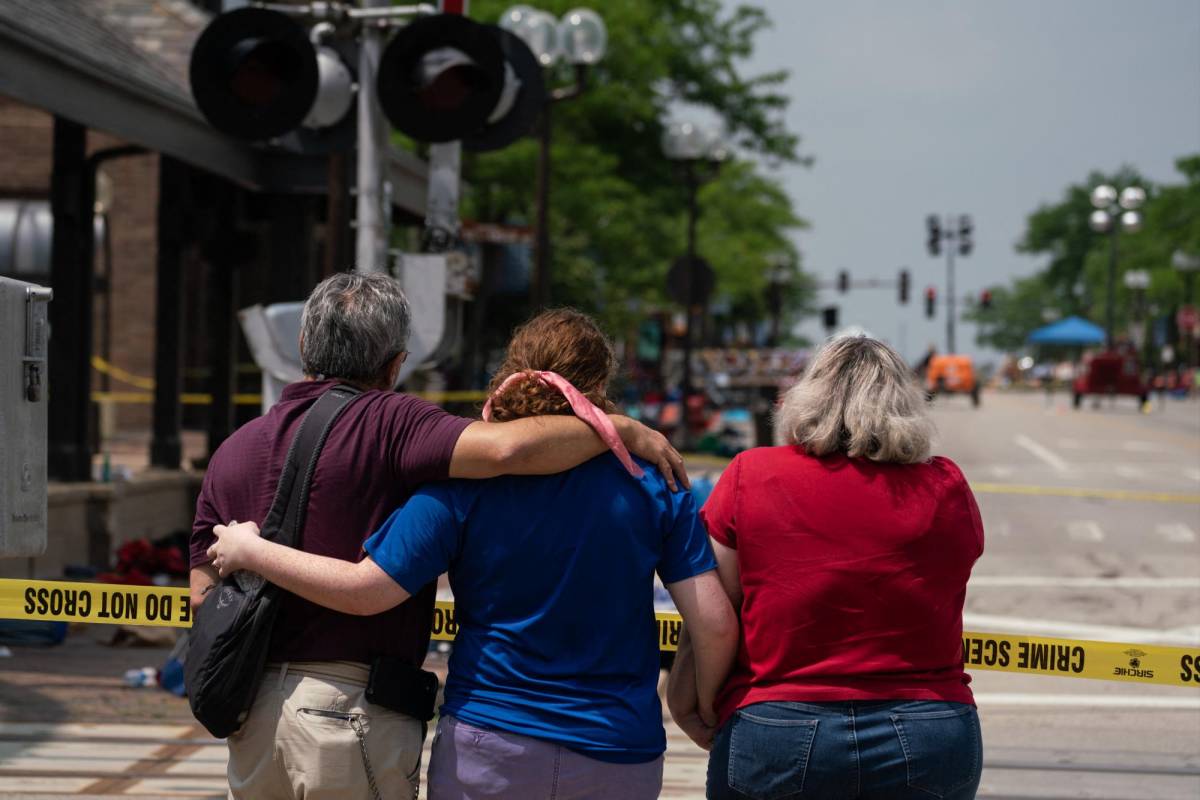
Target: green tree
[[1075, 279], [617, 211], [1016, 311]]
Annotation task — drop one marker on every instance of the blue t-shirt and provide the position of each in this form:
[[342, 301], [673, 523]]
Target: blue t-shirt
[[553, 580]]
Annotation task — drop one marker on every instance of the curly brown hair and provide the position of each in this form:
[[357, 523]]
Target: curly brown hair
[[560, 340]]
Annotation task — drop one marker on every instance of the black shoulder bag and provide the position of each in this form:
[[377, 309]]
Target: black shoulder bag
[[231, 630]]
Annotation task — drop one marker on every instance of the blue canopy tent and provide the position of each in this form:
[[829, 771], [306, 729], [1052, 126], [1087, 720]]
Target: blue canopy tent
[[1069, 331]]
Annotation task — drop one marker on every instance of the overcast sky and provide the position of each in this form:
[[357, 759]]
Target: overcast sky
[[978, 106]]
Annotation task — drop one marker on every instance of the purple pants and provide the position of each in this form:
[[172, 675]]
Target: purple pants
[[469, 762]]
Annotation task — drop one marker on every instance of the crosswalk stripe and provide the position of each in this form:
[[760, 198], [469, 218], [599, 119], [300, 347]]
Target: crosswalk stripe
[[1085, 530], [1176, 532]]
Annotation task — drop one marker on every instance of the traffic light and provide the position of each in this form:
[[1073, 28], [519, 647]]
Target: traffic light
[[985, 299], [965, 230], [904, 284], [934, 230], [256, 74], [830, 317], [843, 281], [930, 301]]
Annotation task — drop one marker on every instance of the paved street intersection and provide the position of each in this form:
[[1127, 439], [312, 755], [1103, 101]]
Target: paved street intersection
[[1092, 519]]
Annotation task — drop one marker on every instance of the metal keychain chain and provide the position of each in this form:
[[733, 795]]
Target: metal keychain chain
[[356, 724]]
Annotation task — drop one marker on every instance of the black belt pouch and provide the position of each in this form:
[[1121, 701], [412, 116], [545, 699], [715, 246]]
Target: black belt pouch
[[399, 686]]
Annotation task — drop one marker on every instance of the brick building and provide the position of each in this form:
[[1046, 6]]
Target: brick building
[[152, 229]]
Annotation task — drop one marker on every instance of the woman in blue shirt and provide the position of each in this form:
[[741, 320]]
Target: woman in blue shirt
[[552, 683]]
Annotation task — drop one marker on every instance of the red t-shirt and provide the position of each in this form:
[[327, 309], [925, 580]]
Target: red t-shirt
[[853, 577]]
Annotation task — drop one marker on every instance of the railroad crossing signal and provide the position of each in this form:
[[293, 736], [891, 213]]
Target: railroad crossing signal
[[260, 74]]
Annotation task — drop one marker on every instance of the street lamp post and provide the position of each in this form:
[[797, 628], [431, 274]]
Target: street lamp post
[[699, 151], [778, 278], [1137, 281], [1114, 212], [581, 39]]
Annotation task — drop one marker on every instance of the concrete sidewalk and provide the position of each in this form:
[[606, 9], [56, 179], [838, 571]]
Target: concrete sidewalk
[[70, 727]]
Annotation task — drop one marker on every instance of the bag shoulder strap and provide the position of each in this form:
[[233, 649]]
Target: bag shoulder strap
[[285, 520]]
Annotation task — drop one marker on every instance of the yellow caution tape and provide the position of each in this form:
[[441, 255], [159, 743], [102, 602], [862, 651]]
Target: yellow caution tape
[[1074, 658], [1070, 658], [66, 601], [249, 399], [199, 398], [186, 398], [113, 371]]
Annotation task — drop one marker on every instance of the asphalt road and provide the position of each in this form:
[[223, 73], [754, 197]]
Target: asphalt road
[[1092, 520]]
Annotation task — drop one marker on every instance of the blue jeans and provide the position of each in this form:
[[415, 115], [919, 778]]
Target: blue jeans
[[849, 750]]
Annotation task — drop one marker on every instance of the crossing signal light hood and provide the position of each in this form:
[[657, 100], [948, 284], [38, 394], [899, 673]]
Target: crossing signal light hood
[[255, 75], [445, 77]]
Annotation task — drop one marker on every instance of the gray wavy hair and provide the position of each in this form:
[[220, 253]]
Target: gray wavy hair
[[352, 326], [857, 397]]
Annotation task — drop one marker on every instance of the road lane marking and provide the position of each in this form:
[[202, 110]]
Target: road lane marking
[[1130, 701], [1062, 629], [1001, 471], [1085, 530], [1194, 474], [1071, 491], [1176, 532], [1056, 582], [1144, 447], [1041, 452], [1130, 471]]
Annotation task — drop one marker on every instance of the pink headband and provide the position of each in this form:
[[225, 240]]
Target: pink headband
[[584, 409]]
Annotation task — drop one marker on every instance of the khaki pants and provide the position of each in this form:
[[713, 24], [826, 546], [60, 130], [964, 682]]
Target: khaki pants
[[302, 740]]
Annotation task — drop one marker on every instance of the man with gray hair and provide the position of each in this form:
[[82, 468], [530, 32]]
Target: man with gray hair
[[311, 732]]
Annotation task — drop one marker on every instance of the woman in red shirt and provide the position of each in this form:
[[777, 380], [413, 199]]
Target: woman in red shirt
[[847, 553]]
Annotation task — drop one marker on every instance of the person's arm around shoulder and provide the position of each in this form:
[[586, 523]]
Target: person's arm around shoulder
[[359, 588], [551, 444], [414, 546]]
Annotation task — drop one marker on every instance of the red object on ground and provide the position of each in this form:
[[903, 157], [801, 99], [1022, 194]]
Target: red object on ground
[[1187, 318], [1111, 372], [854, 575]]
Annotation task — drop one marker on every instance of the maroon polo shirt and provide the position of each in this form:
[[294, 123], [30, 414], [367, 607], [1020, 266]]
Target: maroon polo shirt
[[379, 451]]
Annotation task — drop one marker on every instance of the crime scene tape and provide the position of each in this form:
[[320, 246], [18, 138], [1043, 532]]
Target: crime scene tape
[[145, 397], [111, 603]]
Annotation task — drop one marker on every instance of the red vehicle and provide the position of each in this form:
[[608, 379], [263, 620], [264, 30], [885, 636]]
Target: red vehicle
[[1111, 372]]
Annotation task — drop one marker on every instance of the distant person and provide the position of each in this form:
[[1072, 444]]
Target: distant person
[[923, 365], [300, 738], [847, 553], [552, 690]]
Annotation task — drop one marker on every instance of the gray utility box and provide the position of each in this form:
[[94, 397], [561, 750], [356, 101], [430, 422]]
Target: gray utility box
[[24, 340]]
